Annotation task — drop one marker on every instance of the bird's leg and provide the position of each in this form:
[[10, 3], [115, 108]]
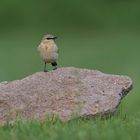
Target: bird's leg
[[45, 70], [55, 65]]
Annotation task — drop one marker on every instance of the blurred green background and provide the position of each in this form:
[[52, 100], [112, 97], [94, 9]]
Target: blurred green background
[[95, 34]]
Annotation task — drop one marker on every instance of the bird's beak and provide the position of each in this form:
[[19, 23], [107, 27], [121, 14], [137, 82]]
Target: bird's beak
[[55, 37]]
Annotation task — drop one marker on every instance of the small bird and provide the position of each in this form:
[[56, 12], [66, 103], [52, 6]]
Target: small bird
[[49, 51]]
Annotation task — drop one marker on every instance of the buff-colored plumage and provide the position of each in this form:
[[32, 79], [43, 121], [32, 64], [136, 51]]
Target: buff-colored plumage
[[48, 49]]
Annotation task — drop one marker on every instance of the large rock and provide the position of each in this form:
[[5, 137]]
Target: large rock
[[65, 93]]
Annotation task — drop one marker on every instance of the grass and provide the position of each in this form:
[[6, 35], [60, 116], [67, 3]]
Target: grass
[[116, 53], [114, 128]]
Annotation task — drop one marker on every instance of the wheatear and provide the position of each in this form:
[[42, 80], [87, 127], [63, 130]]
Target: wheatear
[[48, 51]]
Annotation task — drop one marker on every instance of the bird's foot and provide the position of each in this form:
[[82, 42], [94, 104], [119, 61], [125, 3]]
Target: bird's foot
[[54, 68], [45, 71]]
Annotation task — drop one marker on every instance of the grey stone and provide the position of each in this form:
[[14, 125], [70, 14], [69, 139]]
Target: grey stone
[[66, 93]]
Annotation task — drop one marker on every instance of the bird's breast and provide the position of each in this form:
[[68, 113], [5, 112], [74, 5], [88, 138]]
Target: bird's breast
[[49, 53]]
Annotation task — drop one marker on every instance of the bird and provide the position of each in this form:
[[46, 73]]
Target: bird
[[48, 51]]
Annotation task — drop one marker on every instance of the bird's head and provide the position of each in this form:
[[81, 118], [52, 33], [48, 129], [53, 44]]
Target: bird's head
[[49, 37]]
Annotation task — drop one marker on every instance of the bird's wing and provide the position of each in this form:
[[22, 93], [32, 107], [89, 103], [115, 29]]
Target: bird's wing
[[39, 46]]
